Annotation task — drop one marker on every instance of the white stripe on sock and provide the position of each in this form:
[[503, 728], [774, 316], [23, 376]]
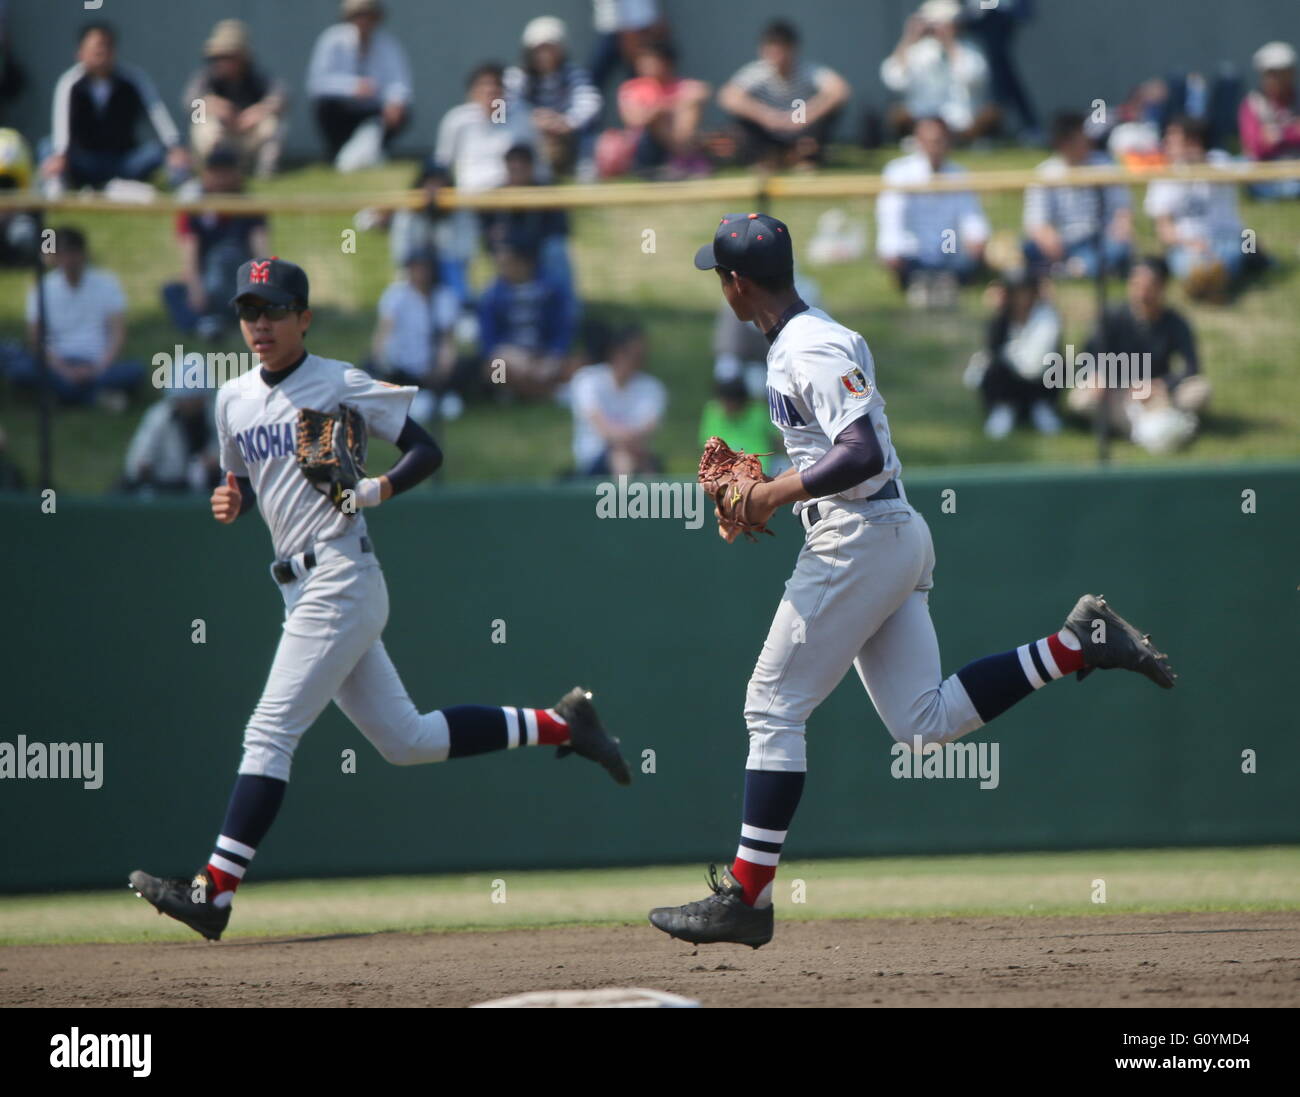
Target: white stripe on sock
[[237, 848], [761, 835], [512, 728], [757, 856], [530, 722], [1027, 665], [1045, 653], [229, 867]]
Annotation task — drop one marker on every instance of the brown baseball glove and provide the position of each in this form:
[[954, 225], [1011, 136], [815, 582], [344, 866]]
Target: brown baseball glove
[[730, 476], [331, 450]]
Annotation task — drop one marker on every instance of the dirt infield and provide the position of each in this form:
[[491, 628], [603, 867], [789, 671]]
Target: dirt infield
[[1139, 960]]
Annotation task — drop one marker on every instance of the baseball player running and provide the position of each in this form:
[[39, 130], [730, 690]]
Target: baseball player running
[[859, 593], [302, 469]]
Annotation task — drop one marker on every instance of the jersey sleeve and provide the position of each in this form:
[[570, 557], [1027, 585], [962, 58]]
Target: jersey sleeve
[[231, 459], [837, 383], [383, 406]]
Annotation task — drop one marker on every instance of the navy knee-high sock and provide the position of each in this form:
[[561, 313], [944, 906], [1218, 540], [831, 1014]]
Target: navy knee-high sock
[[478, 729], [997, 682], [771, 799], [254, 803]]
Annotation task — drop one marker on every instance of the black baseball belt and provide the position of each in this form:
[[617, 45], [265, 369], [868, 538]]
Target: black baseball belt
[[283, 569], [812, 514]]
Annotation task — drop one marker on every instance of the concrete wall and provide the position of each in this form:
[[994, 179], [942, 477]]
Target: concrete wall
[[1070, 55]]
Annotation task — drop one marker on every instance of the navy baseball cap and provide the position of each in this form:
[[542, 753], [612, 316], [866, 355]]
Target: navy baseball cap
[[276, 281], [753, 244]]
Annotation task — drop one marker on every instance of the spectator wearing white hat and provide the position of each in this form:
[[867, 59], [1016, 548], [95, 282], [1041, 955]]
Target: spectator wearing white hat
[[242, 107], [360, 82], [1269, 117], [563, 102], [938, 73]]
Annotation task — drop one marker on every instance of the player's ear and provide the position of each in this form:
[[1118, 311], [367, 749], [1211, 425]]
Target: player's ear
[[304, 321]]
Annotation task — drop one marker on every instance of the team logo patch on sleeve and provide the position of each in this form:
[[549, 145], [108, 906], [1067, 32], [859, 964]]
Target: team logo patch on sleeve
[[856, 382]]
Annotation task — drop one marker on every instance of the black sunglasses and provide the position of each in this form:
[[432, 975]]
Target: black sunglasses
[[274, 313]]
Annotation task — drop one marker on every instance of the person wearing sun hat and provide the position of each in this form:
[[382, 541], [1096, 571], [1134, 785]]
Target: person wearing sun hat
[[1269, 117]]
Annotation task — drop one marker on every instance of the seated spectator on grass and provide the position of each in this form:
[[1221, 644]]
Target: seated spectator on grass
[[432, 228], [661, 113], [936, 72], [559, 95], [85, 327], [241, 105], [784, 106], [617, 409], [174, 449], [1159, 408], [213, 247], [359, 81], [1061, 223], [1269, 117], [544, 231], [1010, 371], [474, 137], [414, 341], [1197, 222], [526, 326], [623, 28], [99, 105], [931, 242], [739, 420]]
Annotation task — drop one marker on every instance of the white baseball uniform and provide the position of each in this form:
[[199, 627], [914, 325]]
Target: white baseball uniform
[[335, 612], [859, 592]]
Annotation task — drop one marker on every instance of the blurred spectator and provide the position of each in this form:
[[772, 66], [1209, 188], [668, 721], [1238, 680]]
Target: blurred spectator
[[1010, 371], [661, 113], [1213, 101], [174, 449], [1269, 117], [785, 107], [1197, 222], [994, 27], [213, 246], [931, 242], [1062, 223], [544, 231], [526, 325], [242, 107], [474, 137], [85, 327], [432, 228], [18, 228], [98, 107], [1160, 411], [11, 476], [414, 341], [617, 409], [938, 73], [623, 28], [563, 102], [360, 83], [739, 420]]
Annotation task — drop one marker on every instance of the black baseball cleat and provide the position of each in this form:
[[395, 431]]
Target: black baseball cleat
[[724, 917], [185, 900], [588, 737], [1120, 644]]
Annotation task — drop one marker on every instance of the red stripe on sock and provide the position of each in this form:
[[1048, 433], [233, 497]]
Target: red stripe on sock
[[551, 730], [1067, 659], [222, 881], [753, 878]]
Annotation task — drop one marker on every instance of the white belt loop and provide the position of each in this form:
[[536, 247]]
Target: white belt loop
[[805, 516]]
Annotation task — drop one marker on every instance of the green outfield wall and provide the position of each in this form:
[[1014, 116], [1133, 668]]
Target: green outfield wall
[[664, 623]]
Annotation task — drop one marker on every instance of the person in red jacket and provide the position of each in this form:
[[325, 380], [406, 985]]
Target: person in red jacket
[[1269, 117]]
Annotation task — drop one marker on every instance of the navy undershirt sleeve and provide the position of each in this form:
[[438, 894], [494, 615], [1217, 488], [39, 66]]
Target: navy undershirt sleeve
[[246, 497], [855, 457], [420, 459]]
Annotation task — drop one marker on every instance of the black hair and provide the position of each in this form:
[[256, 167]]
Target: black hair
[[487, 68], [772, 283], [515, 152], [1195, 129], [782, 31], [1065, 125], [70, 238], [106, 29], [621, 336], [939, 118], [733, 390], [1156, 265], [663, 49]]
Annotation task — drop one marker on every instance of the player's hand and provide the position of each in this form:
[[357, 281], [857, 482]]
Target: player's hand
[[226, 500]]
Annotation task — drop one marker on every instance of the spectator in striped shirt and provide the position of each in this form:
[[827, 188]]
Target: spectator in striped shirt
[[930, 241], [1062, 224], [784, 106], [564, 104], [98, 107]]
